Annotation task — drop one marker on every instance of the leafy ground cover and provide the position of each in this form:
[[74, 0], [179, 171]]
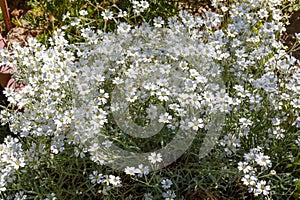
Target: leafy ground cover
[[90, 58]]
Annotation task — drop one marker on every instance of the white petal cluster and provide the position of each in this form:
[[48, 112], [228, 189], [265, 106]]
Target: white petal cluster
[[179, 63], [68, 86], [252, 160], [12, 158]]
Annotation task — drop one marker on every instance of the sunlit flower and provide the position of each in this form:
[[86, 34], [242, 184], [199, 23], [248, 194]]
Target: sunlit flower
[[83, 12], [107, 15]]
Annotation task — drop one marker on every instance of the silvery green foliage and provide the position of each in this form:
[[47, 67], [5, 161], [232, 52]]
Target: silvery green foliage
[[12, 158], [70, 89], [144, 65]]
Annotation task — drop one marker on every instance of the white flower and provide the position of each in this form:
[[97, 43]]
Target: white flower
[[83, 12], [249, 180], [122, 14], [245, 122], [278, 132], [263, 13], [152, 112], [245, 167], [123, 28], [158, 22], [166, 118], [144, 4], [196, 124], [169, 195], [95, 177], [107, 143], [297, 36], [166, 183], [262, 188], [298, 141], [51, 197], [142, 170], [75, 22], [105, 190], [276, 121], [114, 180], [139, 6], [107, 15], [263, 160], [147, 196], [8, 91], [102, 97], [154, 158], [20, 196], [65, 16], [163, 94], [130, 170]]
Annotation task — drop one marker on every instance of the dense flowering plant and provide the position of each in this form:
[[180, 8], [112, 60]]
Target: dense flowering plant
[[85, 97]]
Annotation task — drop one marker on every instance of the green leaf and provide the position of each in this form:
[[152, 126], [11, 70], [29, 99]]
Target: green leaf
[[16, 22], [289, 166], [296, 163]]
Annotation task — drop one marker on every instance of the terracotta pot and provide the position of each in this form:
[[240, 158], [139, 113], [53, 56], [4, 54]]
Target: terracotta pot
[[4, 78], [5, 75], [4, 70]]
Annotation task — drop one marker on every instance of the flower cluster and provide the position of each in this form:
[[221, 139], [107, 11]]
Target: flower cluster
[[68, 86], [167, 193], [12, 158], [166, 185], [129, 67], [139, 6], [140, 170], [255, 163], [107, 180], [265, 86], [173, 73]]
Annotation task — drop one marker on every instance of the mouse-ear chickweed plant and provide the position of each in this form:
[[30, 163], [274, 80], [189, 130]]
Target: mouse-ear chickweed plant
[[88, 97]]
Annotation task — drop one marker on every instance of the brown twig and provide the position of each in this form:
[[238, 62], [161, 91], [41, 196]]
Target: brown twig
[[5, 12]]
